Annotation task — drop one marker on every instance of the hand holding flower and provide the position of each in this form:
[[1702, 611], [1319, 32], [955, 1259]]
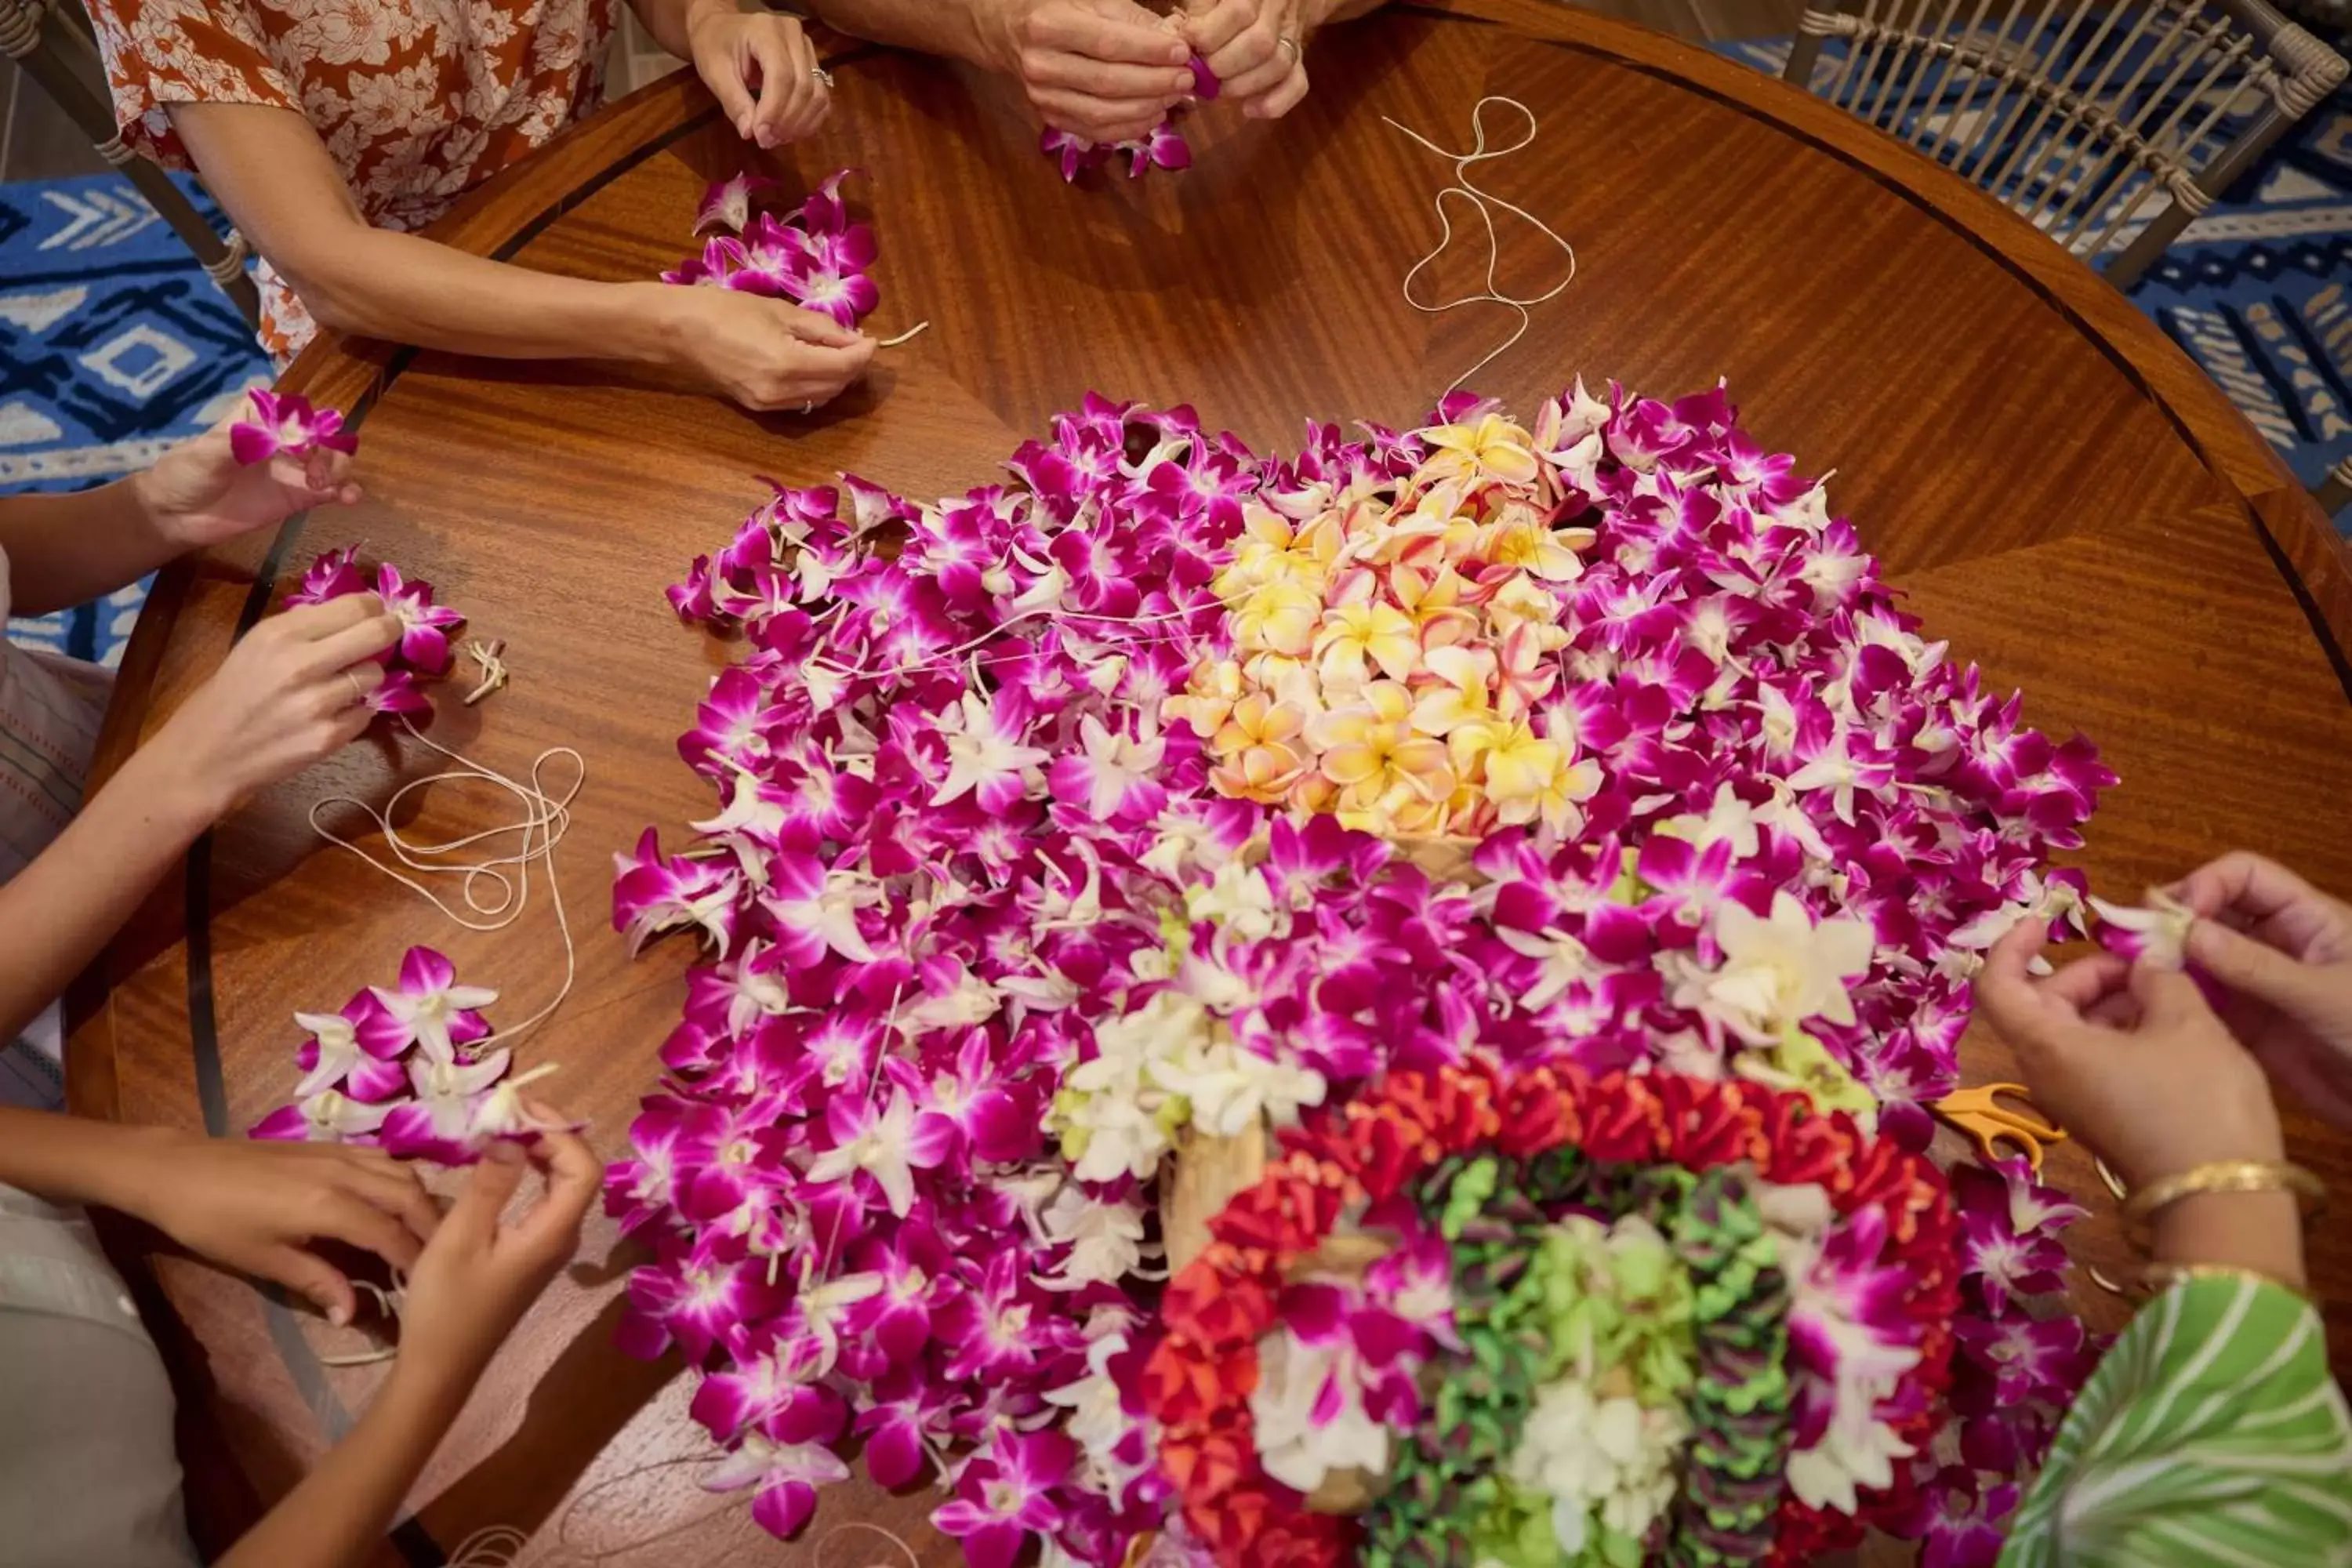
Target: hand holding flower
[[2129, 1059], [198, 494], [257, 1208], [1108, 70], [478, 1275], [1254, 49], [293, 692], [763, 69], [765, 354], [2284, 949]]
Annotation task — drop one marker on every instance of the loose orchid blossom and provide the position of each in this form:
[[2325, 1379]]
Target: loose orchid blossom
[[431, 1009], [285, 424]]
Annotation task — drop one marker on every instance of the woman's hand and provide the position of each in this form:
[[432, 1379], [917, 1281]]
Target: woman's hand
[[478, 1277], [294, 691], [2130, 1060], [2284, 950], [763, 69], [1256, 49], [257, 1208], [198, 494], [1108, 70], [764, 354]]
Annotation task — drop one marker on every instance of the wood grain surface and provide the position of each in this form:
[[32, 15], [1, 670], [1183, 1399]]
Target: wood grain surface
[[2061, 493]]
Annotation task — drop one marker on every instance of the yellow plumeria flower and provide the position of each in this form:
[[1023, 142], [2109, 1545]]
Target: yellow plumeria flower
[[1257, 720], [1521, 540], [1460, 695], [1368, 749], [1207, 697], [1277, 617], [1354, 636], [1493, 448]]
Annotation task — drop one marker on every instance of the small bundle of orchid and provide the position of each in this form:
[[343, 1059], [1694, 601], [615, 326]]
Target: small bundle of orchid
[[814, 257], [1163, 147], [1072, 825], [407, 1067], [422, 652], [285, 425]]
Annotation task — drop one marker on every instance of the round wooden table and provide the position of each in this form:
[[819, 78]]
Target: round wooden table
[[2061, 493]]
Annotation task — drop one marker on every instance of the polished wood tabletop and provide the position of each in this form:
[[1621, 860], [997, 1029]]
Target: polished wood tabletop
[[2061, 493]]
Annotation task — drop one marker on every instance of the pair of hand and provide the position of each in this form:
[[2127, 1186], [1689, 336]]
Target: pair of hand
[[2133, 1060], [1109, 71], [260, 1208]]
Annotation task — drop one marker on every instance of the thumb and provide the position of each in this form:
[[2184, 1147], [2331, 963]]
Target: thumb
[[2244, 964], [816, 327], [2165, 995], [312, 1278]]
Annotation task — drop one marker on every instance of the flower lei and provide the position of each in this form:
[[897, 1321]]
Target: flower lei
[[1163, 147], [814, 257], [1108, 808], [1199, 1382]]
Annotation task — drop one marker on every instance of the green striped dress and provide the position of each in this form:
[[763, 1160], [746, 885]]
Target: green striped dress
[[2210, 1436]]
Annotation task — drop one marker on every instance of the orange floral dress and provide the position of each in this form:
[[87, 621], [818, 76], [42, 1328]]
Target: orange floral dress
[[417, 101]]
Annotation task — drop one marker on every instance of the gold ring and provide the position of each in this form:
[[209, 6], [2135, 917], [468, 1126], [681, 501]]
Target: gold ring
[[823, 77], [357, 689], [1291, 43]]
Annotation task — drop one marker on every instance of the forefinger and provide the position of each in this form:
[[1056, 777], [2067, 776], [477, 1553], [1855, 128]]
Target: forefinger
[[1213, 29], [1139, 39], [2087, 981], [2243, 883]]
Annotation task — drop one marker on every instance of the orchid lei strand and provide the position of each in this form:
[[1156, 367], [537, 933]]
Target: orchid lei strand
[[1485, 201]]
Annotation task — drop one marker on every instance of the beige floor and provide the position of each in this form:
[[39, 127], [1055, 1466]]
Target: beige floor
[[38, 142]]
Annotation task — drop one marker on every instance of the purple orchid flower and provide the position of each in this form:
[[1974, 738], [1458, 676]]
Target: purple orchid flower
[[356, 1049], [727, 203], [333, 575], [284, 422], [1005, 1495], [787, 1475], [425, 625], [429, 1009]]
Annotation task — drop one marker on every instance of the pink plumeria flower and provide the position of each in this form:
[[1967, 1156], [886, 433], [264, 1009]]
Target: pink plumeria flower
[[285, 422], [326, 1117], [428, 1003], [357, 1049]]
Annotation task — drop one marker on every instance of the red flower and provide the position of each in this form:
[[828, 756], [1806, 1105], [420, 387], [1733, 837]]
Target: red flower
[[1537, 1113], [1220, 1300], [1711, 1124], [1623, 1120]]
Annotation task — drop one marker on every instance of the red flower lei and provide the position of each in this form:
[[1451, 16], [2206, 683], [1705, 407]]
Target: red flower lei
[[1198, 1381]]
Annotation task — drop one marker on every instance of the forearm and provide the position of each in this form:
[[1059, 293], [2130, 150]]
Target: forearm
[[670, 23], [67, 550], [63, 909], [970, 30], [341, 1510], [376, 283]]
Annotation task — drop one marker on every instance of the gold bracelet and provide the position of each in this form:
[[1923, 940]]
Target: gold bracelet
[[2226, 1176], [2159, 1278]]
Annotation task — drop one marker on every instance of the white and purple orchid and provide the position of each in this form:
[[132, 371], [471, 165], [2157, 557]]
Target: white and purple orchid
[[285, 425]]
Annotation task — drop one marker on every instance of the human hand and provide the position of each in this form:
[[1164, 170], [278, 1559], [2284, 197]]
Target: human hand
[[2284, 950], [198, 494], [763, 69], [292, 691], [478, 1277], [1108, 70], [2129, 1059], [257, 1208], [762, 352], [1256, 48]]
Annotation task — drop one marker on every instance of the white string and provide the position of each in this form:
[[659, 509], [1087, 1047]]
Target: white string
[[546, 819], [1485, 202], [908, 336]]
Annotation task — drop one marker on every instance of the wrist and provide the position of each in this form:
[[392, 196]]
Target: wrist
[[656, 324], [170, 783], [147, 515], [995, 44], [2258, 1231]]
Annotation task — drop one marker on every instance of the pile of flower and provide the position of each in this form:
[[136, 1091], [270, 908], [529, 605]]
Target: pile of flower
[[404, 1068], [1163, 148], [814, 257], [1642, 1318], [1162, 792], [422, 652]]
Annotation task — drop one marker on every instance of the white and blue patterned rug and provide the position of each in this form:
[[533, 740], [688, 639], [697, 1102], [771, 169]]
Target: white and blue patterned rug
[[113, 345], [2255, 291]]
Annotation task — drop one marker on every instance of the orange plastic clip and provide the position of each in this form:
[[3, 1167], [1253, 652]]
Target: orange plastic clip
[[1979, 1113]]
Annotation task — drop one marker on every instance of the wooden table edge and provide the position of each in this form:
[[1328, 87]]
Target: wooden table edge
[[2312, 559]]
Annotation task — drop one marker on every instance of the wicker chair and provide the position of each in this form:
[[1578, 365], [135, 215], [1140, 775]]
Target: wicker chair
[[50, 44], [2109, 126]]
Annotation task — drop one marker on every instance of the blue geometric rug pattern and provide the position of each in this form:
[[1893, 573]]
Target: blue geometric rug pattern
[[2258, 291], [113, 345]]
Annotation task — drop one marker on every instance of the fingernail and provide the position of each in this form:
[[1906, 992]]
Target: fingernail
[[767, 136], [339, 1315], [1181, 82]]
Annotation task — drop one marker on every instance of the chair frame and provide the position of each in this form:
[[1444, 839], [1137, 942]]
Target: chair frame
[[65, 61], [1893, 42]]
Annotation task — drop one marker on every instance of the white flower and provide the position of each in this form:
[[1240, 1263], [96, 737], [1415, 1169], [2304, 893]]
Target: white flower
[[1565, 962], [1728, 820], [1609, 1458], [1233, 1089], [1779, 970], [1294, 1446], [1105, 1240], [978, 749], [1237, 898]]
